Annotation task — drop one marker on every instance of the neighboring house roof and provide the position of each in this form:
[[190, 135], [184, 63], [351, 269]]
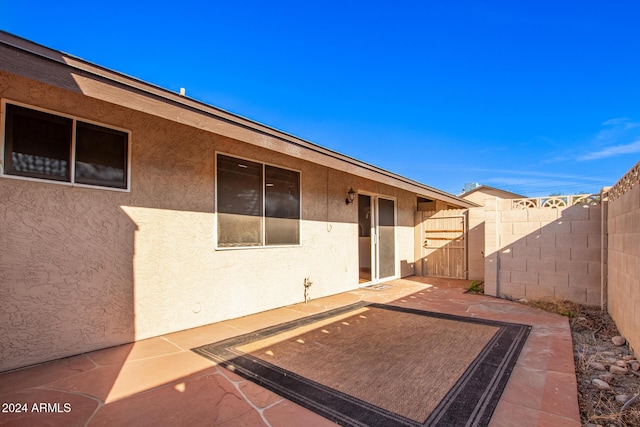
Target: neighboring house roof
[[487, 189], [25, 58]]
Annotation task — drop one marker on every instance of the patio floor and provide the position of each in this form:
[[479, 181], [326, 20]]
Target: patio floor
[[159, 381]]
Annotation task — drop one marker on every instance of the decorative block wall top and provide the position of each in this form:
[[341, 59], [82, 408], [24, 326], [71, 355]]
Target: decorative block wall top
[[625, 183], [557, 202]]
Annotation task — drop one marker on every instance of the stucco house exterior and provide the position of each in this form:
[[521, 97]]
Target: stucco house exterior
[[129, 211], [480, 193]]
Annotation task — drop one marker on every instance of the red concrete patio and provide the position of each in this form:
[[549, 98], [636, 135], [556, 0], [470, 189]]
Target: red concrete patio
[[159, 381]]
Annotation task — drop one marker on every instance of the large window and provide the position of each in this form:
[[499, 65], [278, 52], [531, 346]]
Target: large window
[[47, 146], [257, 204]]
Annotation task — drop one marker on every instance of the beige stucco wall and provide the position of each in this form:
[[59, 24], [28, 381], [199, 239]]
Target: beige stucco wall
[[623, 287], [481, 194], [536, 253], [476, 197], [83, 269]]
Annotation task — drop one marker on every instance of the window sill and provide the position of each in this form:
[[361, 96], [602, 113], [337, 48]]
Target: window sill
[[234, 248], [64, 183]]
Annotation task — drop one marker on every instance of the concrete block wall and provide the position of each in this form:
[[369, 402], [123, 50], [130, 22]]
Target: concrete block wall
[[476, 227], [545, 252], [623, 253], [475, 244]]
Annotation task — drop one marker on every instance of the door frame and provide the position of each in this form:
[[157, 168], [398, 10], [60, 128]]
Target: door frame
[[374, 237]]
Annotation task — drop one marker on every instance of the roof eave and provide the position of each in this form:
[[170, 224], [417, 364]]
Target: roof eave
[[266, 136]]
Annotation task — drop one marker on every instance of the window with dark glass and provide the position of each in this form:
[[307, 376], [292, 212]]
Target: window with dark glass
[[257, 204], [101, 156], [240, 209], [37, 144], [40, 145], [281, 206]]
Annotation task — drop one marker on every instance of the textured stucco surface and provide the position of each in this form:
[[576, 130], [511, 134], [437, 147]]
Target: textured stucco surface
[[66, 271], [83, 269], [623, 287], [483, 193]]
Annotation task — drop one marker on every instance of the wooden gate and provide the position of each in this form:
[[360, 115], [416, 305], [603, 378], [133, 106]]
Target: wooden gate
[[444, 245]]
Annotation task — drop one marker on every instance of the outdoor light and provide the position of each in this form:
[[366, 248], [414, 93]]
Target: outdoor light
[[351, 196]]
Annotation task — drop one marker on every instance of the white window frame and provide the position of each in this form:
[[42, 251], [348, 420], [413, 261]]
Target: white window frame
[[72, 160], [263, 245]]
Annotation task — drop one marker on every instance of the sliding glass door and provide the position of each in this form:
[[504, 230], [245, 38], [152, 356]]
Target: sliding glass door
[[376, 238], [386, 238]]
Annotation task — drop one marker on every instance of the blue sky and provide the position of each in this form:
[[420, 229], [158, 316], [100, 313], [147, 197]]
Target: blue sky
[[536, 97]]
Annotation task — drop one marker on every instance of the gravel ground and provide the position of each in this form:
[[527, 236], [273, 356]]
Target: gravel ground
[[610, 364], [607, 372]]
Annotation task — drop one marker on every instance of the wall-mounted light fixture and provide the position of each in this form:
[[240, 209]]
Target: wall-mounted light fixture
[[351, 196]]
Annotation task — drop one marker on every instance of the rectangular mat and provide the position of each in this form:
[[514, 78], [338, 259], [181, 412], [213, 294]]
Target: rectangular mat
[[374, 364]]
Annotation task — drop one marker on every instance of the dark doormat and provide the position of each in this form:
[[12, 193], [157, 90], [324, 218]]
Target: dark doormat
[[381, 365], [379, 287]]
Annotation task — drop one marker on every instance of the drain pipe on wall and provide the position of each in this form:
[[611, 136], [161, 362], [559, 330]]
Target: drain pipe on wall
[[604, 244], [465, 219], [497, 235]]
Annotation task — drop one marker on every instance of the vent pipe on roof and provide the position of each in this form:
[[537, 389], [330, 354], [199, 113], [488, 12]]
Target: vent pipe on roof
[[183, 91]]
